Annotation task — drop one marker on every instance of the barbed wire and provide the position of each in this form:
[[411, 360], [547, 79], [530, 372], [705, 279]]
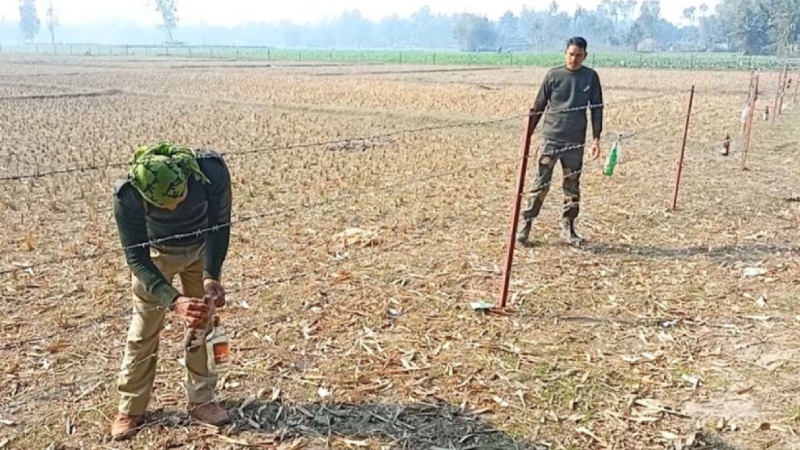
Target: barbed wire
[[200, 232], [340, 141], [210, 229], [206, 230], [621, 137], [306, 145]]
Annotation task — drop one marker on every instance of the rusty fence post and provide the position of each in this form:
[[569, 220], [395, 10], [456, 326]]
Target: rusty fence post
[[748, 104], [683, 151], [749, 125], [775, 111], [522, 168], [747, 111], [782, 91]]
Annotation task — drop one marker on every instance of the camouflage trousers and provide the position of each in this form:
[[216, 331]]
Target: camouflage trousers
[[571, 158]]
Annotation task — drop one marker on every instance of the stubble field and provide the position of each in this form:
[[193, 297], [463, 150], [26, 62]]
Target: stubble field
[[371, 207]]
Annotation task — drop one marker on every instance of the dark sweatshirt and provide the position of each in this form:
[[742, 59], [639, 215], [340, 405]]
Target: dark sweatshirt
[[205, 206], [563, 89]]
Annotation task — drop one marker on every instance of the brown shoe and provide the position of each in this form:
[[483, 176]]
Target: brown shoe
[[125, 426], [210, 413]]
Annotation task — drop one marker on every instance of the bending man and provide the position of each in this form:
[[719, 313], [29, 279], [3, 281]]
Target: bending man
[[171, 191]]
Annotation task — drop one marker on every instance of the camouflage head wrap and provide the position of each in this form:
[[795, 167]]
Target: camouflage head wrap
[[161, 172]]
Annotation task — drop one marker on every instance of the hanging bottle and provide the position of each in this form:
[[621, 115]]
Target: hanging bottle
[[611, 160], [217, 348]]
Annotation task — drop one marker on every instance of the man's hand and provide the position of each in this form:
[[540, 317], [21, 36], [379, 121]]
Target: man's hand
[[214, 292], [596, 150], [194, 311]]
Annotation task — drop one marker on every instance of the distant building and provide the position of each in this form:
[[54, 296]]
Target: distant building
[[646, 45]]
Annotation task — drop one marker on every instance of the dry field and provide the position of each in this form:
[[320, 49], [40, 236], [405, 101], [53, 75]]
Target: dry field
[[649, 337]]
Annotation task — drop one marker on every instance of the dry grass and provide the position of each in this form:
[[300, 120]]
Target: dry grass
[[648, 337]]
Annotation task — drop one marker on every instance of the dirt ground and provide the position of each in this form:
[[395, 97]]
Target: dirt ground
[[371, 208]]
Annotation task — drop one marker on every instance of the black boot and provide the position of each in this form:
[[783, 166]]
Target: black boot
[[524, 233], [568, 233]]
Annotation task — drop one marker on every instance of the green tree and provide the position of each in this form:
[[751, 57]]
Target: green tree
[[507, 28], [760, 26], [689, 14], [474, 33], [52, 23], [711, 31], [29, 21], [169, 16], [649, 16], [784, 21], [625, 8]]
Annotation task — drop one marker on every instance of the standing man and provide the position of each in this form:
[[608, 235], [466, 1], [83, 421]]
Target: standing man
[[568, 91], [171, 191]]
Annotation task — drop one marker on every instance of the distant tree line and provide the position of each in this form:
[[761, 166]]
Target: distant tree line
[[748, 26]]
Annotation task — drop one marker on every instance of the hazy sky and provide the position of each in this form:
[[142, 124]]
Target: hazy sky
[[231, 12]]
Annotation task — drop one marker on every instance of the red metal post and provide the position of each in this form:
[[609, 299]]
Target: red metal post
[[783, 88], [775, 111], [750, 94], [683, 151], [753, 99], [524, 152]]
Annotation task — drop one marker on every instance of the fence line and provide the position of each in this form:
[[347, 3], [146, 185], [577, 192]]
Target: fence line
[[464, 124], [293, 277], [398, 184], [688, 60], [216, 227]]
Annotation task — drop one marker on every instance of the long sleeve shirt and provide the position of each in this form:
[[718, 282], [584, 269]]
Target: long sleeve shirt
[[205, 207], [568, 94]]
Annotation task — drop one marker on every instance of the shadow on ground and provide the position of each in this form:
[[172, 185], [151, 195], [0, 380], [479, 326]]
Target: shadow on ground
[[415, 426], [408, 427], [712, 443]]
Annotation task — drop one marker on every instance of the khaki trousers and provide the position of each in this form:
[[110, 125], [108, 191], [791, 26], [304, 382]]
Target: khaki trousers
[[138, 371]]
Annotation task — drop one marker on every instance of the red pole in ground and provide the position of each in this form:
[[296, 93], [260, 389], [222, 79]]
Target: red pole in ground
[[524, 151], [683, 151], [777, 97], [753, 99], [746, 118], [783, 88]]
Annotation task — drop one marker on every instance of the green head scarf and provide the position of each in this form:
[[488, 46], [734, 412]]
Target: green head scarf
[[161, 172]]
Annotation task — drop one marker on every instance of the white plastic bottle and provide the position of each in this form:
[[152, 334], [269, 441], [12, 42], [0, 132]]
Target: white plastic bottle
[[218, 349]]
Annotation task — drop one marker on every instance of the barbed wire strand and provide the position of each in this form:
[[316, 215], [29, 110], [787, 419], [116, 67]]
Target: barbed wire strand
[[203, 231], [88, 168], [408, 183]]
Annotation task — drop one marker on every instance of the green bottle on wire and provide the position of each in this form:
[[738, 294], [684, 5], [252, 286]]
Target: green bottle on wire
[[611, 161]]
